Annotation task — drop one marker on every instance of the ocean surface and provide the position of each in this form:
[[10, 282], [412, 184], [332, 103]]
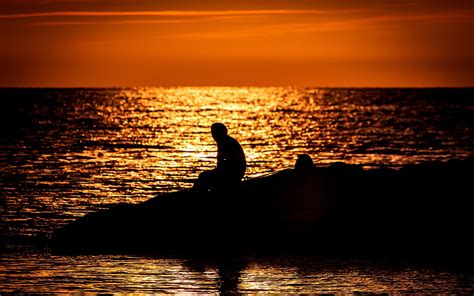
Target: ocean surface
[[68, 152]]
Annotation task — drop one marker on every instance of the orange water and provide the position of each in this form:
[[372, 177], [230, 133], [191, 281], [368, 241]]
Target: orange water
[[67, 152]]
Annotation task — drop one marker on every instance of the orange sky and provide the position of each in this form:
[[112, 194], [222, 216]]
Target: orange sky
[[356, 43]]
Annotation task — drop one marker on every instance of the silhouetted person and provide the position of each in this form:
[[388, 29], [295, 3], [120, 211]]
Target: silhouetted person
[[230, 163]]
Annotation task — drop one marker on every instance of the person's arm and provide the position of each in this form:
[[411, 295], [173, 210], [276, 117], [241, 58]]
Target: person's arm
[[220, 157]]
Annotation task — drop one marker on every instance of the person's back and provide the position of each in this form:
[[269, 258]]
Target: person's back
[[230, 158]]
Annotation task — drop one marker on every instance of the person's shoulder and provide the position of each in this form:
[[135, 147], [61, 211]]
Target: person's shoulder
[[233, 140]]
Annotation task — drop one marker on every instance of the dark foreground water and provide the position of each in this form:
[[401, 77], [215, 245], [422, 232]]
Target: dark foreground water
[[131, 274], [67, 152]]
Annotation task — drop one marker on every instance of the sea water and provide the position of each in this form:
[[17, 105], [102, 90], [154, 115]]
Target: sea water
[[68, 152]]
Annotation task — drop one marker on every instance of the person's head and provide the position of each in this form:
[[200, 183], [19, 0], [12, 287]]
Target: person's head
[[218, 131]]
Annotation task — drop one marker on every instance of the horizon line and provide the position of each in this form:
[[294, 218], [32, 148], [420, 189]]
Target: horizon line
[[232, 86]]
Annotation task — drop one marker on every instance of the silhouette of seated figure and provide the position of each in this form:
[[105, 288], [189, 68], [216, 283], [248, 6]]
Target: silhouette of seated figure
[[230, 163]]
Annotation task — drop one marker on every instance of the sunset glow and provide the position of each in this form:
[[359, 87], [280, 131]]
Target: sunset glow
[[172, 43]]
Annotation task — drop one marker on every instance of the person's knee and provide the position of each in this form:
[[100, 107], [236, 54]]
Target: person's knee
[[207, 175], [205, 180]]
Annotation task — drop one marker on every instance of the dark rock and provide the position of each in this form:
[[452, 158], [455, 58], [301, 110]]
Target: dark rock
[[418, 211]]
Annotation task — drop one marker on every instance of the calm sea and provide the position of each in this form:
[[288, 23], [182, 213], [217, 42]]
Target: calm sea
[[67, 152]]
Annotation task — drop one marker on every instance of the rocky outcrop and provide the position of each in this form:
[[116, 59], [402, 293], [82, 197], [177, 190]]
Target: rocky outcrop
[[418, 210]]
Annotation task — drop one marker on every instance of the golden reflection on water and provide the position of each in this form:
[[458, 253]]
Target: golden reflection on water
[[43, 273], [177, 122], [86, 149], [81, 150], [274, 125]]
